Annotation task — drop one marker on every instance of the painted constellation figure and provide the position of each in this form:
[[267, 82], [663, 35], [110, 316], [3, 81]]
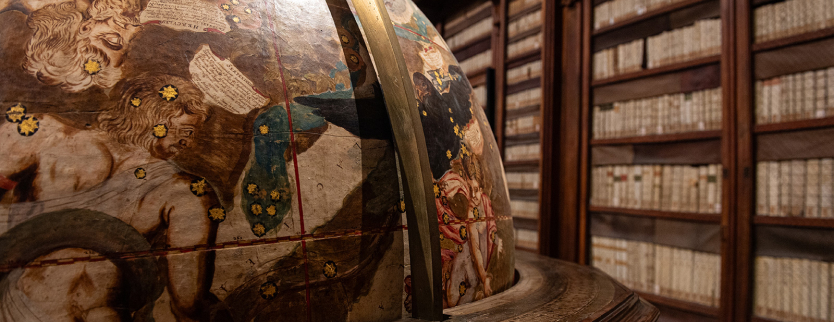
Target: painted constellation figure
[[119, 169]]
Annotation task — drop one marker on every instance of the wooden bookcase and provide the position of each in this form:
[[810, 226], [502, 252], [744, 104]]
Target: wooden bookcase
[[683, 77]]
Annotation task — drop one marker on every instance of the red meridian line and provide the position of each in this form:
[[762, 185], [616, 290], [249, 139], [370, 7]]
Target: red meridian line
[[294, 159]]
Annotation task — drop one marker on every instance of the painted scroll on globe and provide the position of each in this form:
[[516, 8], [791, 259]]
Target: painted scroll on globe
[[190, 15], [223, 84]]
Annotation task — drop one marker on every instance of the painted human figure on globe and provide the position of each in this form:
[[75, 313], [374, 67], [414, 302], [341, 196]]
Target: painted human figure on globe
[[190, 160]]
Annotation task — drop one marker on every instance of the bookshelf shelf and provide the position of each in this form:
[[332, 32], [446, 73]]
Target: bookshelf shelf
[[696, 308], [794, 221], [524, 11], [476, 18], [515, 165], [675, 137], [795, 125], [524, 194], [525, 223], [658, 71], [520, 139], [524, 34], [761, 319], [794, 40], [524, 111], [524, 85], [472, 43], [648, 15], [711, 218], [523, 56]]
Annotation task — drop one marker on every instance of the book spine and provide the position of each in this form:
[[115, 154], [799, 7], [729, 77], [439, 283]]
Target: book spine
[[712, 178], [773, 188], [761, 189], [797, 187], [812, 185], [784, 188]]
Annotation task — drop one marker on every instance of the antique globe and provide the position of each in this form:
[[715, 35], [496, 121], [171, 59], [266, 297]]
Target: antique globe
[[237, 160]]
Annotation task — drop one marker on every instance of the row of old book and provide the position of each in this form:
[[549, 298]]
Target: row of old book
[[625, 58], [611, 12], [524, 72], [517, 6], [794, 289], [477, 62], [672, 272], [523, 180], [795, 188], [524, 98], [526, 238], [792, 17], [671, 113], [523, 125], [702, 39], [675, 188], [525, 45], [466, 16], [524, 209], [524, 152], [794, 97], [524, 23], [478, 30]]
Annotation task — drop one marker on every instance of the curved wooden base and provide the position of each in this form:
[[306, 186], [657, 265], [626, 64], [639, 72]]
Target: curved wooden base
[[554, 290]]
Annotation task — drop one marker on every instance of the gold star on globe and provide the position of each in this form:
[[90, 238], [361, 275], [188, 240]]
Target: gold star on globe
[[235, 19], [198, 187], [275, 195], [169, 92], [136, 102], [263, 129], [268, 290], [217, 213], [28, 126], [256, 209], [16, 113], [247, 10], [160, 131], [259, 229], [92, 67], [329, 269], [225, 6], [462, 288], [252, 189], [140, 173], [270, 210]]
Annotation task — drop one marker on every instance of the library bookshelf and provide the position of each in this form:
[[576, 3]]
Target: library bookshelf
[[643, 99]]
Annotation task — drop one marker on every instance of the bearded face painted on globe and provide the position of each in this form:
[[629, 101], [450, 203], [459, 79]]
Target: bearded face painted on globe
[[229, 160]]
